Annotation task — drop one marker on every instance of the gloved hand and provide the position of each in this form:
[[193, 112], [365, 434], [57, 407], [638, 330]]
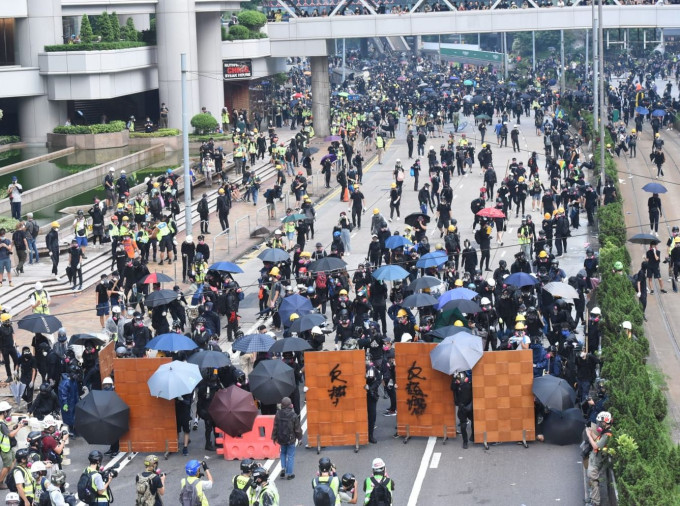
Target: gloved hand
[[205, 465]]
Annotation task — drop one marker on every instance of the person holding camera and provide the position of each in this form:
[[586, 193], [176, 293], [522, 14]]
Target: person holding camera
[[96, 491], [193, 486], [7, 440], [23, 477], [150, 483]]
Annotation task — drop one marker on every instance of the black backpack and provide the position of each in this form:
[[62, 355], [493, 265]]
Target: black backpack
[[239, 497], [323, 494], [85, 492], [380, 495]]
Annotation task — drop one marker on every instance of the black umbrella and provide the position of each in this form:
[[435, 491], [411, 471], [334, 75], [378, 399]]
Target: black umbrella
[[271, 381], [274, 255], [564, 427], [289, 344], [554, 393], [83, 339], [462, 305], [253, 343], [102, 417], [425, 282], [160, 298], [40, 323], [419, 300], [412, 218], [327, 264], [307, 322], [233, 410], [444, 332], [644, 239], [207, 359]]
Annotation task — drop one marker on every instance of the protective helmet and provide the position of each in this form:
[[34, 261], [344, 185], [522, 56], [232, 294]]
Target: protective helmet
[[33, 437], [38, 285], [627, 325], [560, 210], [107, 381], [347, 480], [543, 254], [376, 211], [520, 318], [458, 282], [618, 266], [22, 454], [192, 467], [45, 388], [316, 330], [596, 311], [12, 497], [95, 456], [657, 135], [277, 232], [294, 316], [519, 326], [221, 191], [54, 224], [378, 465], [393, 185], [274, 271], [38, 467], [521, 179], [150, 460], [633, 131], [676, 240], [458, 323], [58, 478], [247, 465], [491, 283], [342, 292], [260, 474], [485, 301], [325, 465], [336, 233], [604, 417], [451, 228], [401, 313], [49, 420]]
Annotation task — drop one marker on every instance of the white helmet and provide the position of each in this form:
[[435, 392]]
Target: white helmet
[[49, 421], [11, 497], [626, 325], [398, 160], [491, 282], [37, 467], [277, 232], [485, 301], [115, 309], [107, 381], [378, 464], [112, 169], [604, 417], [596, 311], [189, 238], [406, 337], [431, 147], [38, 285], [316, 330], [4, 406]]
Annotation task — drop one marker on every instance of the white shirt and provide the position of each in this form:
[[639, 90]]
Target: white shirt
[[16, 192]]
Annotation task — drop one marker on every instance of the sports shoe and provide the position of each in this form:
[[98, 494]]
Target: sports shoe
[[390, 413], [185, 451]]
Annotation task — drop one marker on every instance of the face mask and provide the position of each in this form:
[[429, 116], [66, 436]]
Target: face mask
[[44, 353]]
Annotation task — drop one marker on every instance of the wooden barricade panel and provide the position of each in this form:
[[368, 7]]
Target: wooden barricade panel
[[336, 398], [106, 356], [153, 427], [503, 404], [424, 397]]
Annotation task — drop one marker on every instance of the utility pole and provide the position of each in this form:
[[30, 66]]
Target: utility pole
[[563, 83], [185, 145], [596, 69], [343, 59], [533, 50], [603, 108]]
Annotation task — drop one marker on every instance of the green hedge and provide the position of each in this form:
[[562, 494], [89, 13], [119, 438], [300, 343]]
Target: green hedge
[[207, 137], [203, 123], [95, 46], [108, 128], [9, 139], [161, 132]]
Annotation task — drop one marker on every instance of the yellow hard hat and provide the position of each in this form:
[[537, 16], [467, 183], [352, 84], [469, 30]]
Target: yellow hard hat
[[401, 313], [677, 240], [561, 210], [520, 326], [633, 131], [126, 218], [156, 184], [547, 216], [393, 185], [254, 130], [274, 271], [452, 228], [221, 191], [484, 145], [542, 254], [609, 146], [520, 318], [54, 224], [521, 179], [458, 323], [459, 282], [294, 316], [342, 292], [120, 205], [305, 254], [376, 211], [5, 316], [657, 134]]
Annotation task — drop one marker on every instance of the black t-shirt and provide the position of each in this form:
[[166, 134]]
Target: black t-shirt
[[652, 261], [26, 366], [444, 211], [357, 197], [154, 484], [74, 256], [102, 293]]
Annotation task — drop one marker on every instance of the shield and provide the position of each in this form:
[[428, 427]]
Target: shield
[[419, 300], [644, 239], [271, 381], [82, 339], [397, 241], [307, 322], [424, 283], [412, 218], [390, 273], [520, 279], [456, 294], [274, 255], [172, 341], [160, 298], [290, 344], [102, 417], [40, 323], [654, 188], [554, 393], [491, 212], [462, 305], [253, 343], [457, 353], [174, 379], [233, 410], [157, 277], [564, 427], [294, 304], [432, 259], [563, 290], [209, 359], [226, 267]]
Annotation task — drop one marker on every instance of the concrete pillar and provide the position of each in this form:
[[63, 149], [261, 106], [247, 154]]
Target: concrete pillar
[[321, 99], [363, 45], [42, 27], [176, 34], [210, 82]]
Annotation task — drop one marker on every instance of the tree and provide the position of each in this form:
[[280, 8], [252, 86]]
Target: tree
[[204, 123], [239, 32], [86, 34], [105, 28], [130, 30], [253, 20], [115, 26]]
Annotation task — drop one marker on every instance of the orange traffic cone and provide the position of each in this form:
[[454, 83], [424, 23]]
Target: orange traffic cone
[[345, 195]]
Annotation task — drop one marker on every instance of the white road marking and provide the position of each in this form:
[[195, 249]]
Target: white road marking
[[503, 254], [118, 458], [435, 460], [124, 462], [422, 470]]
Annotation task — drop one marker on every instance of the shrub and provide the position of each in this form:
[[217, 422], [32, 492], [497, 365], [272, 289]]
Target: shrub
[[130, 32], [115, 26], [253, 20], [161, 132], [9, 139], [207, 137], [95, 46], [239, 32], [104, 27], [114, 126], [612, 227], [86, 34], [9, 224], [203, 123]]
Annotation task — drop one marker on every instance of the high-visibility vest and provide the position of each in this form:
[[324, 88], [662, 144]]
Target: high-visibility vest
[[5, 444], [29, 482], [140, 207], [41, 299]]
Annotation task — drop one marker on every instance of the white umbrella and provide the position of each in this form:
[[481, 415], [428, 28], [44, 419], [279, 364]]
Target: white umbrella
[[563, 290], [174, 379], [457, 353]]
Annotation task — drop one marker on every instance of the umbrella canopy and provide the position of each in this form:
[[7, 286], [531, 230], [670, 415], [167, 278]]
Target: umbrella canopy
[[331, 156], [554, 393], [390, 273], [520, 279], [157, 277], [271, 381], [160, 298], [468, 82], [225, 267], [457, 353], [654, 188], [274, 255], [462, 305], [294, 304], [641, 110], [397, 241], [293, 217], [456, 294], [491, 212], [174, 379], [401, 78], [307, 322], [443, 332], [483, 116], [333, 138], [297, 95], [253, 343], [233, 410], [291, 344], [327, 264], [425, 282], [209, 359], [343, 94], [557, 289], [419, 300], [564, 427], [102, 417], [412, 218], [432, 259], [82, 339], [40, 323], [644, 239], [171, 341], [658, 112]]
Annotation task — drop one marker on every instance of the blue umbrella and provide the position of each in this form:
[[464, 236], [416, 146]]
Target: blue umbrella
[[225, 267], [654, 188], [253, 343], [428, 90], [433, 259], [174, 379], [520, 279], [658, 112], [454, 78], [294, 304], [390, 273], [397, 241], [641, 110], [456, 294], [171, 342]]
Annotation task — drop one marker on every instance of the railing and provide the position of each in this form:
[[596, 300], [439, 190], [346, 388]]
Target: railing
[[228, 234], [259, 210], [236, 227]]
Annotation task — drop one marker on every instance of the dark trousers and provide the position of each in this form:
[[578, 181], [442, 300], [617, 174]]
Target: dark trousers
[[356, 217], [394, 208], [372, 405], [55, 262], [561, 245], [465, 415], [224, 220], [654, 221], [380, 314], [8, 353], [77, 275]]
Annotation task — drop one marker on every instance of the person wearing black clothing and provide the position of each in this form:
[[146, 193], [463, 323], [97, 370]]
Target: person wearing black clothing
[[653, 267], [204, 214], [326, 171], [490, 180], [358, 204], [655, 212], [658, 158], [373, 380], [469, 258], [7, 346], [424, 199], [359, 164], [75, 256], [97, 222], [395, 200], [223, 207], [409, 144], [483, 237], [203, 248], [561, 234], [52, 245], [188, 250], [462, 395]]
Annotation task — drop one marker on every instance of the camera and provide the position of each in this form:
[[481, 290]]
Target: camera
[[111, 472]]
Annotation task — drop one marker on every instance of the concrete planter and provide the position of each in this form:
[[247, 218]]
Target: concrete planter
[[171, 143], [89, 141]]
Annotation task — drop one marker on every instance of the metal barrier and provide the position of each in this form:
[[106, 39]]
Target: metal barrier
[[236, 227], [260, 209], [224, 232]]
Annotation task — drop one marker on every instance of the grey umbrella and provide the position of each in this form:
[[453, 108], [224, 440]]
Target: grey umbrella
[[457, 353], [557, 289], [424, 282], [419, 300]]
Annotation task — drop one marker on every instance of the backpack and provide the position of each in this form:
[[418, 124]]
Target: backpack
[[144, 495], [380, 495], [42, 496], [188, 496], [323, 494], [85, 492], [284, 434], [239, 497], [9, 481], [321, 280], [478, 236], [202, 206]]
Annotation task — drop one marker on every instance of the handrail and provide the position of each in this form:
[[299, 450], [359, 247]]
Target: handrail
[[257, 214], [228, 234], [247, 217]]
